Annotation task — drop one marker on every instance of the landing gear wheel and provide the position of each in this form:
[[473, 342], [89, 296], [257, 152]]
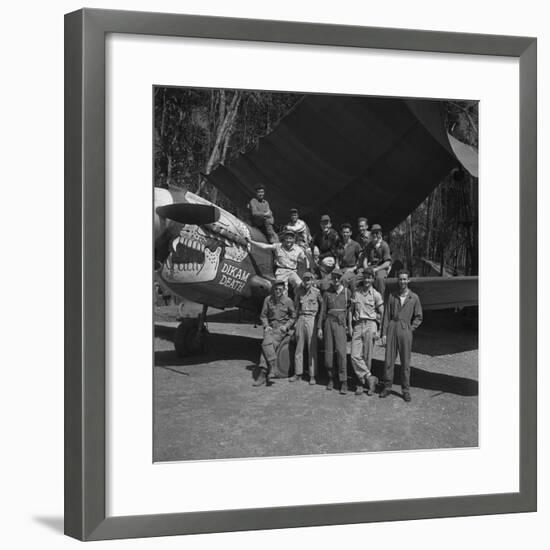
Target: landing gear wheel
[[188, 340]]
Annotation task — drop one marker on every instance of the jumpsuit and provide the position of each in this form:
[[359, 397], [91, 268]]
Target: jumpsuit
[[333, 318], [399, 323]]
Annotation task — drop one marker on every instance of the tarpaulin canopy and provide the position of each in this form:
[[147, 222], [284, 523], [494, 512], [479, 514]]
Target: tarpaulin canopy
[[347, 157]]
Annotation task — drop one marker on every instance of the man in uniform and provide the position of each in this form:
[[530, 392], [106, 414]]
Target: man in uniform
[[261, 215], [364, 235], [307, 303], [377, 255], [277, 317], [402, 316], [287, 255], [349, 252], [300, 228], [325, 244], [303, 235], [367, 308], [333, 319]]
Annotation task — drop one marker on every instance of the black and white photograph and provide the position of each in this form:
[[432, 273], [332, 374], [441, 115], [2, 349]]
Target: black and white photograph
[[315, 274]]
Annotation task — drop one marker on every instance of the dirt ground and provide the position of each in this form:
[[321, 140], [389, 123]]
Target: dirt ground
[[206, 407]]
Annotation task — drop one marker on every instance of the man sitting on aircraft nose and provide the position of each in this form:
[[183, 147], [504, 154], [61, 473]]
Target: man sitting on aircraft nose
[[277, 317], [287, 255], [261, 215]]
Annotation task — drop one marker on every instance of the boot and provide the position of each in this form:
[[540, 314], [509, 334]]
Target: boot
[[343, 388], [330, 384], [385, 392], [295, 378], [261, 380], [312, 381], [271, 373], [371, 381]]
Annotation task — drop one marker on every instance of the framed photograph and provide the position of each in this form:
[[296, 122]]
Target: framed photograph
[[301, 269]]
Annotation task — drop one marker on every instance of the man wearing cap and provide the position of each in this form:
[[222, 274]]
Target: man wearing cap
[[325, 244], [307, 304], [286, 255], [277, 317], [367, 309], [261, 215], [334, 322], [349, 252], [377, 255], [403, 315]]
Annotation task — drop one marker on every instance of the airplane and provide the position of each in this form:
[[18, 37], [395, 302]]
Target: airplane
[[205, 254]]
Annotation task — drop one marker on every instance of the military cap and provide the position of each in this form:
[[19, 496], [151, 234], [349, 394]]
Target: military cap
[[325, 218], [376, 227]]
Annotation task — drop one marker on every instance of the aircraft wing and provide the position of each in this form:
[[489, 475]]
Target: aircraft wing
[[346, 156], [442, 292]]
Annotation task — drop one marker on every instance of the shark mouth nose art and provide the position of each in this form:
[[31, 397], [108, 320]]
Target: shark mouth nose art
[[194, 256]]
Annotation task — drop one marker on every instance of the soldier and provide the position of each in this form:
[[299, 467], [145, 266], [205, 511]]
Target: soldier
[[277, 317], [377, 255], [303, 235], [367, 308], [300, 228], [287, 255], [307, 303], [349, 252], [364, 235], [333, 319], [261, 215], [402, 316], [325, 244]]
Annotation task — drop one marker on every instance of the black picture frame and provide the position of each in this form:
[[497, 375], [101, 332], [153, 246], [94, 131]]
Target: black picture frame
[[85, 471]]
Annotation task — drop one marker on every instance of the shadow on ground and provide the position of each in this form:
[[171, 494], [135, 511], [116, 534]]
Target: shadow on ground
[[220, 346], [171, 313], [445, 332], [429, 380], [420, 378]]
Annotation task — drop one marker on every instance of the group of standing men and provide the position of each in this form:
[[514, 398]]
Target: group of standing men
[[341, 294]]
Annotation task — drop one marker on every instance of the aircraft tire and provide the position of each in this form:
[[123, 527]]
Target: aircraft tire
[[187, 341]]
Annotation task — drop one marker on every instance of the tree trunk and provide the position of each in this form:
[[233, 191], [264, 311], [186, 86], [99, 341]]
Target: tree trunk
[[168, 170], [410, 244], [428, 226], [223, 135]]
